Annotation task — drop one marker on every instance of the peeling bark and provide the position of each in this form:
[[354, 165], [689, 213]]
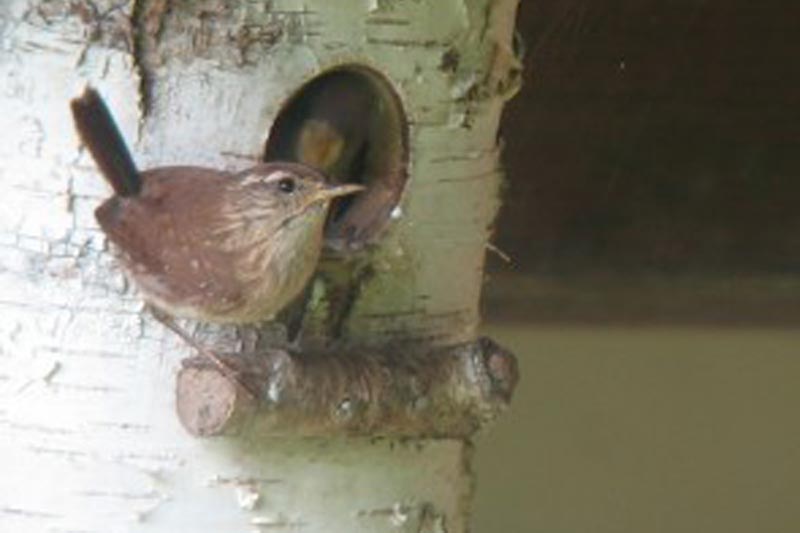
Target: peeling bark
[[89, 440]]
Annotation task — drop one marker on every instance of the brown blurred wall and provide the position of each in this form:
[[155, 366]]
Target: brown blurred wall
[[655, 136]]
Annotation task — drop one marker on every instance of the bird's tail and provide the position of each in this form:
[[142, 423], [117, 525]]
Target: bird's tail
[[99, 133]]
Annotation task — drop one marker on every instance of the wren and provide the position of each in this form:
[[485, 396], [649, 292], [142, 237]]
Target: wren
[[329, 126], [203, 243]]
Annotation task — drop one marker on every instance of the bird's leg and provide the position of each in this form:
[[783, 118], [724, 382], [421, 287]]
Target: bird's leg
[[226, 369], [293, 317]]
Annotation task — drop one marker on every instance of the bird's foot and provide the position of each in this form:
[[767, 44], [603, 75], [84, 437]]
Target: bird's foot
[[226, 367]]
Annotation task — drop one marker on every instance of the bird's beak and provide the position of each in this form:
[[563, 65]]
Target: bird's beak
[[333, 190]]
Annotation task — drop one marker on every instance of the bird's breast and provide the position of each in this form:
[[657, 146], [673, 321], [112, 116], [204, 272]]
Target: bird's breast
[[275, 269]]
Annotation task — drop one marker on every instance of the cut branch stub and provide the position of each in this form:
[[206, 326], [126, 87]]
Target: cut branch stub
[[450, 392]]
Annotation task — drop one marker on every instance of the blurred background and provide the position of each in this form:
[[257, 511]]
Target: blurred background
[[652, 218]]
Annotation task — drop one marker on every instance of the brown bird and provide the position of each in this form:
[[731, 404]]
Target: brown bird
[[208, 244], [329, 125]]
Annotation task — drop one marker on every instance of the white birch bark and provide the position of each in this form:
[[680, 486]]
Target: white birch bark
[[89, 439]]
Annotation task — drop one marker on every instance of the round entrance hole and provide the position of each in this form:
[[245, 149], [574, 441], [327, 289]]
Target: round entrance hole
[[349, 123]]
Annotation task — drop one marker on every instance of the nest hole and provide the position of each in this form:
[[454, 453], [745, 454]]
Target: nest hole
[[349, 123]]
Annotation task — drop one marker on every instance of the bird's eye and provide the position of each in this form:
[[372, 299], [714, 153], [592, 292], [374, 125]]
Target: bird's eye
[[287, 185]]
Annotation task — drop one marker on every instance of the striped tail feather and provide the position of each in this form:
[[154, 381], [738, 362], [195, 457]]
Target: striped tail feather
[[99, 133]]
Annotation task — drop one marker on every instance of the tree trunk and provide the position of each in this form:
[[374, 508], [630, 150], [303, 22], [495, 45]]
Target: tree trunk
[[89, 439]]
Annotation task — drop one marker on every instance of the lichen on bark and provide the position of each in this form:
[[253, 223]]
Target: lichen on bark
[[87, 380]]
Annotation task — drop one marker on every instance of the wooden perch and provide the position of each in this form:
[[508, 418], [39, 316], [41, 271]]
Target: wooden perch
[[450, 392]]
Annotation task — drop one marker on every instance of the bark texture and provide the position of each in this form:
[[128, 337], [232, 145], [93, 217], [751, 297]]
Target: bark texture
[[89, 440], [439, 393]]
